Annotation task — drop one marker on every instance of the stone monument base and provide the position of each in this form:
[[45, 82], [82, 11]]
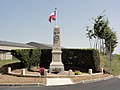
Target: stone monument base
[[58, 65]]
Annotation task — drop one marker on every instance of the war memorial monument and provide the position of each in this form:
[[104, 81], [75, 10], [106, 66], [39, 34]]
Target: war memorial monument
[[56, 51]]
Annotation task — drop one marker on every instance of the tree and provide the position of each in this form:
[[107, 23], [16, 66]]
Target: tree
[[89, 35], [103, 36], [99, 27], [110, 40]]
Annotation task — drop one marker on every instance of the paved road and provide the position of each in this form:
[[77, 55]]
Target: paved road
[[112, 84]]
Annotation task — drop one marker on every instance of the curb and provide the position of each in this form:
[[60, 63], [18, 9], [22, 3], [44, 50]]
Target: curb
[[96, 80], [27, 84]]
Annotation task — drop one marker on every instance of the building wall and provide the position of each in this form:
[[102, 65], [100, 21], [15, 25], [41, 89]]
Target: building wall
[[5, 51], [5, 56]]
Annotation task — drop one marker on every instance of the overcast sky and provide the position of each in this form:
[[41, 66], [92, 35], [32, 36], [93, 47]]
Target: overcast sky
[[27, 20]]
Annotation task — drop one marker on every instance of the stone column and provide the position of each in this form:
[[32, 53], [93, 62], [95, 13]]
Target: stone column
[[9, 69], [56, 51], [102, 71], [45, 73], [90, 71], [70, 73], [22, 71]]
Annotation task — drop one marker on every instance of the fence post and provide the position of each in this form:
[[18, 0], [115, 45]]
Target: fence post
[[22, 71], [70, 72], [45, 72], [9, 69], [90, 71], [102, 70]]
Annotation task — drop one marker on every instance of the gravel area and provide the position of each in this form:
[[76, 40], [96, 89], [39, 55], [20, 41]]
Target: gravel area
[[15, 79], [78, 79]]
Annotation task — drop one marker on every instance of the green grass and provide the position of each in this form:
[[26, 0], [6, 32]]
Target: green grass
[[115, 64], [4, 62]]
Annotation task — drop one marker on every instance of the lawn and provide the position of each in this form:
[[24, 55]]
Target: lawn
[[4, 62], [115, 64]]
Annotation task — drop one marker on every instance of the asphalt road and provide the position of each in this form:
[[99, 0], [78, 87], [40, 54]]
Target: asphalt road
[[111, 84]]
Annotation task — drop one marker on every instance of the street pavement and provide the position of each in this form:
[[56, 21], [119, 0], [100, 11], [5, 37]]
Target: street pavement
[[111, 84]]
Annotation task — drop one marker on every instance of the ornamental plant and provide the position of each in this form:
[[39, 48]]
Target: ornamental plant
[[56, 70], [78, 73], [41, 70]]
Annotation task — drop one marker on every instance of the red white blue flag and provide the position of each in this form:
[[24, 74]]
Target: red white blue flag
[[52, 16]]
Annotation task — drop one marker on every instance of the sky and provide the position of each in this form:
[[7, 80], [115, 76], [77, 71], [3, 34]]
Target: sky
[[24, 21]]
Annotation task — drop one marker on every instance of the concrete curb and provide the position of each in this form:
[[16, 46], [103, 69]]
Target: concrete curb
[[26, 75], [96, 80], [25, 84]]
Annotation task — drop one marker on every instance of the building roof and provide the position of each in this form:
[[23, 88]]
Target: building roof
[[40, 45], [13, 44], [27, 45]]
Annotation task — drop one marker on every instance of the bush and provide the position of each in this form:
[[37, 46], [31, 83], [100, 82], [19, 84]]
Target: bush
[[28, 57], [77, 73], [46, 58], [41, 70], [56, 70]]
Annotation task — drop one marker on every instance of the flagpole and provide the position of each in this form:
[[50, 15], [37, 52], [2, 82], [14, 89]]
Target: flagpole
[[56, 16]]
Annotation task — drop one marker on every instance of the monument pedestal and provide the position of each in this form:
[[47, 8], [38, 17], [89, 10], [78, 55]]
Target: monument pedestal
[[56, 65], [56, 52]]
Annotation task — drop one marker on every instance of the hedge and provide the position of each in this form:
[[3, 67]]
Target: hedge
[[75, 59], [46, 58], [28, 57], [81, 59]]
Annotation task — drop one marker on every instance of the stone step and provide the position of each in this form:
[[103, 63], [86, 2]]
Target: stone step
[[58, 81]]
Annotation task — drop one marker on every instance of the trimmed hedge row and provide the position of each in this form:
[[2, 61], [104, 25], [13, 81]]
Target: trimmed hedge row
[[75, 59], [46, 58]]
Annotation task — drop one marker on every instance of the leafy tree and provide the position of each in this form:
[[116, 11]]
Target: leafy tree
[[104, 38], [89, 35]]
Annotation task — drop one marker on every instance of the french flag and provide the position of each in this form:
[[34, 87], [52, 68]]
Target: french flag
[[52, 16]]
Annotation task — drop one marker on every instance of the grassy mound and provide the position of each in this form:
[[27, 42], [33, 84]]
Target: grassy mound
[[4, 64], [115, 64]]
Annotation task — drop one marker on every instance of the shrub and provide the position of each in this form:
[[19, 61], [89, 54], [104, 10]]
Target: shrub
[[41, 70], [28, 57], [56, 70], [46, 58], [77, 73]]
